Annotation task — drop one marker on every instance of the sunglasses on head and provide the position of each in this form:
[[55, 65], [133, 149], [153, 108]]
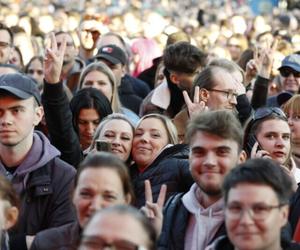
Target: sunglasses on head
[[264, 112], [287, 72]]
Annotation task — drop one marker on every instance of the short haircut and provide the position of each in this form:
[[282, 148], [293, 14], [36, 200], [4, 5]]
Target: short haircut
[[222, 123], [261, 172], [11, 35], [97, 160], [135, 214], [168, 124], [183, 57]]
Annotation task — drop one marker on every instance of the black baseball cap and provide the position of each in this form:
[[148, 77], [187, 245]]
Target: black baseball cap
[[20, 86], [112, 53]]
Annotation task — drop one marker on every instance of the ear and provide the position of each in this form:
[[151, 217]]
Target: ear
[[11, 217], [39, 113], [123, 70], [284, 211], [204, 94], [242, 156], [174, 78], [128, 199]]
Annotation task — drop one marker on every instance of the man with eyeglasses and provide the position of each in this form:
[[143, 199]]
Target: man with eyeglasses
[[290, 77], [6, 42], [256, 195], [194, 219]]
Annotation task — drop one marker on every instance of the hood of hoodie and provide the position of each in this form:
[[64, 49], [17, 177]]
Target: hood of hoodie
[[40, 153], [204, 222]]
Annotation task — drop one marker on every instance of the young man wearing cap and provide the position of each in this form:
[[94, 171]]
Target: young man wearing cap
[[30, 162], [290, 78], [115, 58]]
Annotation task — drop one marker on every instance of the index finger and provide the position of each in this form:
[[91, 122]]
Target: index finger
[[275, 44], [62, 47], [187, 99], [148, 191], [53, 44], [162, 196]]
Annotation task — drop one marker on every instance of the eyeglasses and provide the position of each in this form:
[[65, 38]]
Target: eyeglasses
[[257, 212], [229, 93], [286, 73], [4, 45], [264, 112], [92, 242], [39, 71]]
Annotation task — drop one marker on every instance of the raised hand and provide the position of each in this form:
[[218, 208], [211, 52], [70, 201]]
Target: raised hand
[[154, 210], [196, 106], [53, 60]]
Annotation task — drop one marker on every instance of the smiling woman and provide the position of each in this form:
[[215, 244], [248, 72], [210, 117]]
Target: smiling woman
[[158, 159]]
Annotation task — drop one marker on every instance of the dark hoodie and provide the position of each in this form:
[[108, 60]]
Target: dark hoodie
[[43, 182]]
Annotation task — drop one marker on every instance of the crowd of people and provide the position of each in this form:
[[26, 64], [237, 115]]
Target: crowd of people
[[127, 128]]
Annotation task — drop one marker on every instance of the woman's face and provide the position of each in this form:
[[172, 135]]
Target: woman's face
[[294, 123], [97, 188], [36, 71], [150, 138], [274, 136], [98, 80], [88, 120], [119, 133]]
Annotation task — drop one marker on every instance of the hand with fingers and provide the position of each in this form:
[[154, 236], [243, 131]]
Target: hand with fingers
[[266, 59], [251, 71], [257, 152], [154, 211], [196, 106], [53, 60]]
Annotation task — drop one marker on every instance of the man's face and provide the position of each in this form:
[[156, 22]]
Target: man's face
[[17, 120], [211, 158], [106, 230], [223, 95], [290, 79], [117, 69], [251, 222], [184, 81], [70, 52], [5, 47]]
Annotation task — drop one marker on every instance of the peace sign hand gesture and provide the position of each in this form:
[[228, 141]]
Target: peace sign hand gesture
[[53, 60], [196, 106], [154, 211]]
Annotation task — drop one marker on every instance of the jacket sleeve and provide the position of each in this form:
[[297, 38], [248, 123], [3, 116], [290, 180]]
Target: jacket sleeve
[[244, 108], [59, 121], [260, 92], [61, 211]]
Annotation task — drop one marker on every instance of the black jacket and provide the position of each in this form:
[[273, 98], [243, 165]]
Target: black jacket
[[171, 167], [66, 237], [176, 218], [59, 121]]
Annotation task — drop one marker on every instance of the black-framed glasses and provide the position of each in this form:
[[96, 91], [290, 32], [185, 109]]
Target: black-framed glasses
[[229, 93], [257, 212], [95, 242], [285, 72], [4, 45], [264, 112]]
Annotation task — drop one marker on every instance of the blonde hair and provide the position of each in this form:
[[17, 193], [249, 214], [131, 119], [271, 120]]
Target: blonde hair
[[103, 68]]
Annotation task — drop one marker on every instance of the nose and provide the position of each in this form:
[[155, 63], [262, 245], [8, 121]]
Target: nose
[[97, 203], [233, 100], [116, 141], [280, 142], [6, 119], [246, 217], [210, 160], [290, 121], [144, 138], [90, 128]]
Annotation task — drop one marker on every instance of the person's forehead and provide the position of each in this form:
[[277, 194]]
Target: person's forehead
[[60, 37], [4, 37], [223, 79], [248, 192]]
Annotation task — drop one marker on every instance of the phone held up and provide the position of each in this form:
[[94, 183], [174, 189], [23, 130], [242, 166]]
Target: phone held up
[[250, 143], [103, 146]]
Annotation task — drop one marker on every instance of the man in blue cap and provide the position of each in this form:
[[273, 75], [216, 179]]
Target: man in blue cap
[[290, 78], [30, 162]]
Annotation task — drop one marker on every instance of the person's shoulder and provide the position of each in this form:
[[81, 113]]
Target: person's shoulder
[[62, 237]]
